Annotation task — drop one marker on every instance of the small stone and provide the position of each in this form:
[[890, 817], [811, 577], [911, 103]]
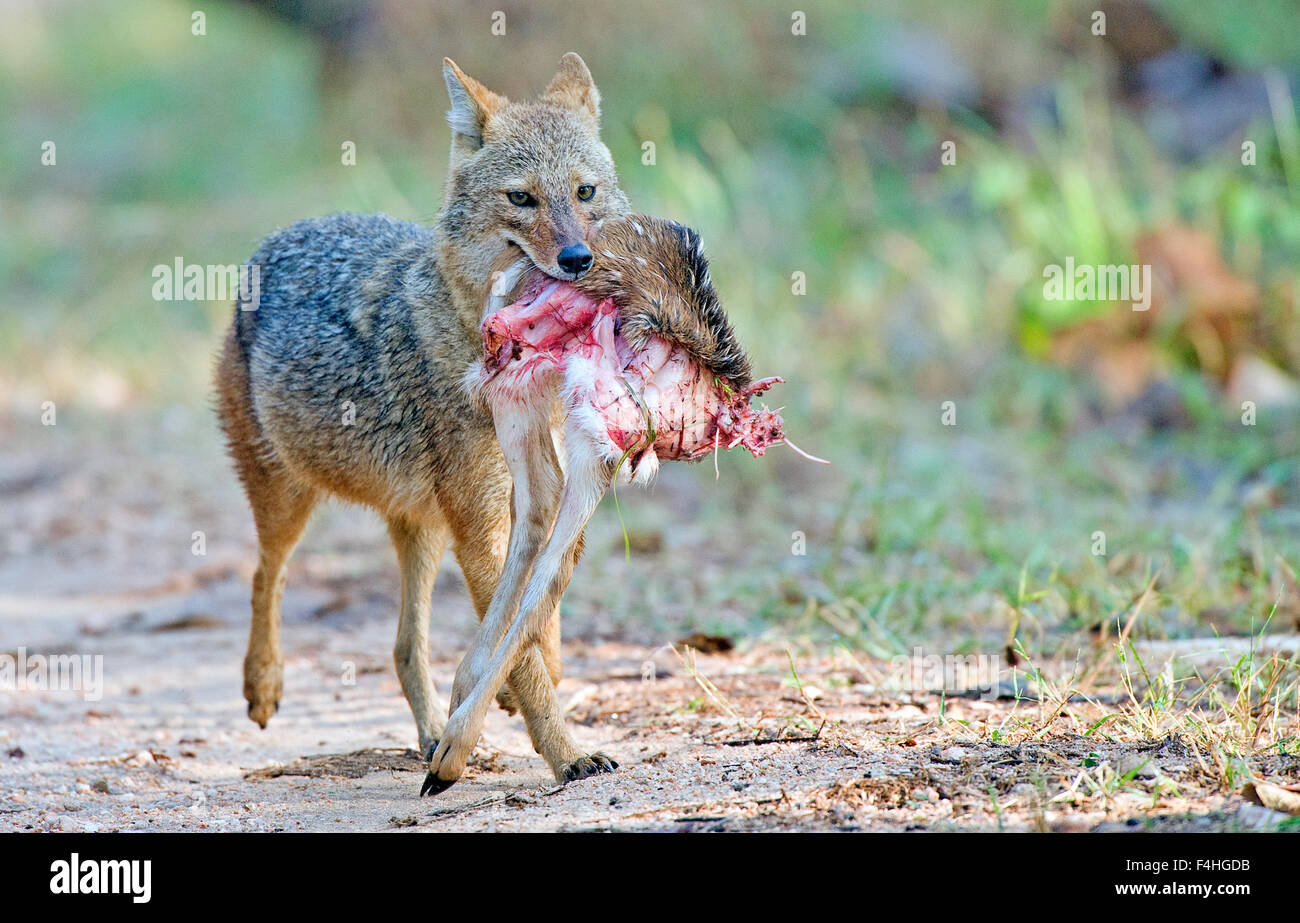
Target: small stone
[[954, 754], [1258, 817], [1140, 765]]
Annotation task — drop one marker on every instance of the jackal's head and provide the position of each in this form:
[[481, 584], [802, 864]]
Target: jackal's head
[[528, 175]]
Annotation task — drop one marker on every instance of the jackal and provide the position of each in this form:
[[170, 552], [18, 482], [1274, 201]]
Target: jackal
[[353, 375], [344, 377]]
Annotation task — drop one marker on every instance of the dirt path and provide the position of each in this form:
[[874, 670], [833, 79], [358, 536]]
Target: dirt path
[[99, 530]]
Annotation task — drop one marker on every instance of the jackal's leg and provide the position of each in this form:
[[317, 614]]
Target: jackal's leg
[[548, 646], [581, 493], [281, 509], [534, 678], [550, 643], [419, 552]]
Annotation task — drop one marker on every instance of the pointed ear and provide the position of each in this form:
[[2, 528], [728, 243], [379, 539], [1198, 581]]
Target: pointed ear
[[472, 105], [572, 86]]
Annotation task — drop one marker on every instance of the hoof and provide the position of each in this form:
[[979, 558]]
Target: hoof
[[588, 766], [428, 750], [434, 786]]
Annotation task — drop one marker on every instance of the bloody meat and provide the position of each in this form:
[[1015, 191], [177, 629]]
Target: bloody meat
[[656, 399]]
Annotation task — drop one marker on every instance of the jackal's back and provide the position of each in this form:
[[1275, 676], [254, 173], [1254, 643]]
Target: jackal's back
[[351, 359]]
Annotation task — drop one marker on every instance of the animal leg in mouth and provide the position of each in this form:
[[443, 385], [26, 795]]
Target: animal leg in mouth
[[525, 436], [585, 485], [524, 433], [523, 430]]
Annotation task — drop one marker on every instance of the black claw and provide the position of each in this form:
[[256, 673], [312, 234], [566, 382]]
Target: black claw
[[434, 786], [588, 766]]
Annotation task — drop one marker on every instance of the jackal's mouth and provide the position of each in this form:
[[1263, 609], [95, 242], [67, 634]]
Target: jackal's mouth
[[518, 268], [515, 275]]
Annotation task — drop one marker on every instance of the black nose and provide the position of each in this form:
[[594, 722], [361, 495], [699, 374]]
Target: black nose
[[575, 259]]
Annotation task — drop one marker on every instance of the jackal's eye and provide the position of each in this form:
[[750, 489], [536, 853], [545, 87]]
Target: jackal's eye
[[521, 198], [586, 191]]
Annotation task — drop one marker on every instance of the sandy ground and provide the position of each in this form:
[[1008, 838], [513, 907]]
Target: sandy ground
[[98, 558]]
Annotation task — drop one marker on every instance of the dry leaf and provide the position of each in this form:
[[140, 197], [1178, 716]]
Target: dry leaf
[[1277, 797]]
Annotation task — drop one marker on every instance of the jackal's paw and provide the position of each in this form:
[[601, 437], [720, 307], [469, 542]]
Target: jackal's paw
[[263, 686], [587, 766]]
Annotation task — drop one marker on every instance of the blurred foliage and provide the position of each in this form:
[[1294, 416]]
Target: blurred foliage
[[816, 154]]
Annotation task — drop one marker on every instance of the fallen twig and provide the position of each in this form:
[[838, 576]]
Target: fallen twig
[[755, 741], [472, 805], [488, 801]]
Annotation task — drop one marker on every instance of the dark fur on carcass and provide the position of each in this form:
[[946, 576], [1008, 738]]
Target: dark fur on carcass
[[656, 272]]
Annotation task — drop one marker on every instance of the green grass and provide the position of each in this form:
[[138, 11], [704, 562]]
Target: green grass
[[923, 286]]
